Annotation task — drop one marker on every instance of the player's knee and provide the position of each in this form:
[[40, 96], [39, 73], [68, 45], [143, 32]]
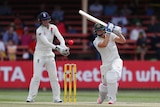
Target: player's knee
[[102, 87], [103, 69], [36, 78], [117, 65], [111, 77], [53, 80]]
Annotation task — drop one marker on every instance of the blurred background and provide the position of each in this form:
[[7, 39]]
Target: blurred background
[[139, 20]]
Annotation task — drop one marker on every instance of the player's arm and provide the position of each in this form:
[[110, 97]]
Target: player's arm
[[63, 49], [60, 49], [44, 40], [120, 39], [104, 43], [59, 37], [116, 30]]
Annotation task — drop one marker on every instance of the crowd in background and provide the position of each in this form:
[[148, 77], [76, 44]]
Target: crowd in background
[[119, 16], [18, 33]]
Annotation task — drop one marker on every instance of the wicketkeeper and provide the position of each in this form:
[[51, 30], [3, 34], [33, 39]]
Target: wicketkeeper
[[111, 67], [44, 57]]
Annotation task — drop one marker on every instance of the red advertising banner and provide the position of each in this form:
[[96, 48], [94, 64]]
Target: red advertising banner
[[141, 74], [135, 75]]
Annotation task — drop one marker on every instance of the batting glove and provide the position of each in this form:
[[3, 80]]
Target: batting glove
[[117, 30], [112, 28]]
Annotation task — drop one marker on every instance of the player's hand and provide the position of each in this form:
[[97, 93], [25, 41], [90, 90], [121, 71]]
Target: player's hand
[[117, 30], [62, 50], [65, 51], [112, 28]]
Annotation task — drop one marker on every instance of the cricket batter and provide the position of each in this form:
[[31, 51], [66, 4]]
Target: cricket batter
[[111, 67], [44, 57]]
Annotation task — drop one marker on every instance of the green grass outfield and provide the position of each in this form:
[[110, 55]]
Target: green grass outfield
[[87, 98]]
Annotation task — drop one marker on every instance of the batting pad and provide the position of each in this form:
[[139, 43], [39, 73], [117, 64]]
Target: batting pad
[[102, 91], [102, 88], [117, 66]]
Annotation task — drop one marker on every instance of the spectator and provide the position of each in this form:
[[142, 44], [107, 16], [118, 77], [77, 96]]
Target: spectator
[[36, 23], [118, 17], [153, 40], [154, 25], [25, 55], [5, 9], [1, 30], [133, 7], [10, 34], [31, 47], [135, 20], [11, 50], [125, 10], [110, 8], [19, 24], [61, 26], [42, 7], [135, 32], [141, 46], [96, 9], [57, 13], [70, 29], [26, 37], [2, 49], [155, 45], [149, 10]]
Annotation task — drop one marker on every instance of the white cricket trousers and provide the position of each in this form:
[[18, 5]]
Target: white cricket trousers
[[38, 64]]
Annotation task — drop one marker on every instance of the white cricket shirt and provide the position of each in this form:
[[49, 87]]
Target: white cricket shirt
[[108, 53], [45, 38], [2, 46]]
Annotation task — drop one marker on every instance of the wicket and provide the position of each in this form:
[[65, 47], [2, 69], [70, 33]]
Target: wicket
[[70, 71]]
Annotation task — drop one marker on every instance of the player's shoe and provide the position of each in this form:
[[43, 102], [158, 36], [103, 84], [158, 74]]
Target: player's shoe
[[99, 101], [111, 102], [58, 101], [29, 100]]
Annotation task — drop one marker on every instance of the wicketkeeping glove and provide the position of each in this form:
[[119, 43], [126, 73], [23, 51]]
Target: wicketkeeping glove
[[62, 50], [112, 28]]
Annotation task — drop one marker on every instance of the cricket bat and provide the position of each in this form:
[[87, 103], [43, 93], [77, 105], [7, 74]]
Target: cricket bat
[[92, 18]]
